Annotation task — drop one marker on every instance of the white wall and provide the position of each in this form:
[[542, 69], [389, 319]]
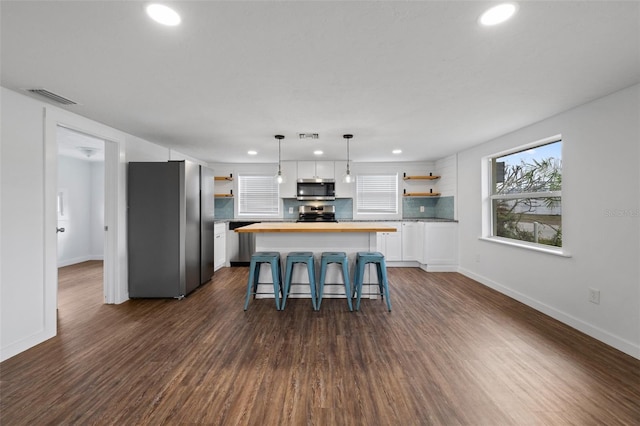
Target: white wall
[[28, 182], [82, 182], [601, 230], [96, 250], [22, 293]]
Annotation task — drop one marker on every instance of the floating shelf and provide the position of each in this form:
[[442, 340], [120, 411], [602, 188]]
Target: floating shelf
[[223, 195], [229, 178], [421, 177], [422, 194]]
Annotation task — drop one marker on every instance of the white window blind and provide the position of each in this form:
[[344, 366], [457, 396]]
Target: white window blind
[[377, 193], [258, 196]]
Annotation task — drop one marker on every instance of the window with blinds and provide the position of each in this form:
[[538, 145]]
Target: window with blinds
[[258, 196], [377, 193]]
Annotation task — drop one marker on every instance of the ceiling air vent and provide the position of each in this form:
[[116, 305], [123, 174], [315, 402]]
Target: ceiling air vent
[[308, 136], [52, 96]]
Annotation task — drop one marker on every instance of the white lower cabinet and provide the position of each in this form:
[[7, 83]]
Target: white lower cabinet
[[412, 236], [220, 246], [390, 243], [440, 249]]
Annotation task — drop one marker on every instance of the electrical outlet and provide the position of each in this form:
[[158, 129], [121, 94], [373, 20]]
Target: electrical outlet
[[421, 209], [290, 210], [594, 296]]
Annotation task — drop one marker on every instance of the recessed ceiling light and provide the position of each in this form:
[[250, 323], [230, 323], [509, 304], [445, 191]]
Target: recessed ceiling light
[[318, 152], [252, 152], [163, 14], [397, 151], [498, 14]]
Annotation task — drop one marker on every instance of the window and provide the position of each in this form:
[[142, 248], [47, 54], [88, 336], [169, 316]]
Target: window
[[526, 194], [258, 196], [377, 193]]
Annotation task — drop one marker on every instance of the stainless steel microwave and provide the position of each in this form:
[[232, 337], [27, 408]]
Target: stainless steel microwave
[[316, 189]]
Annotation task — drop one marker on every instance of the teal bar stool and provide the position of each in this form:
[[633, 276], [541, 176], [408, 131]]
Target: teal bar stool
[[257, 259], [305, 257], [362, 259], [335, 257]]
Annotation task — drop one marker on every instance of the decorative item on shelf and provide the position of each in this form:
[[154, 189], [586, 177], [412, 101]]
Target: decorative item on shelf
[[279, 176], [229, 178], [347, 177]]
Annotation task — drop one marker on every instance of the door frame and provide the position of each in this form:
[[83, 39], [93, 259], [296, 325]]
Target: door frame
[[115, 277]]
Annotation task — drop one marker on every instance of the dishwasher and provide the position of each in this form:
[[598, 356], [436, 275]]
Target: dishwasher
[[246, 244]]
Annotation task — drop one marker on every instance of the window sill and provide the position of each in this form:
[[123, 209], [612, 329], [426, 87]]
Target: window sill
[[527, 246]]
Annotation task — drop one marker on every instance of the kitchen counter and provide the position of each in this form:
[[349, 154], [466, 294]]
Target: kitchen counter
[[316, 237], [316, 227]]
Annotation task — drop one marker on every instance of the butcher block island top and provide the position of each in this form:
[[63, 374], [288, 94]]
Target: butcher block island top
[[316, 227]]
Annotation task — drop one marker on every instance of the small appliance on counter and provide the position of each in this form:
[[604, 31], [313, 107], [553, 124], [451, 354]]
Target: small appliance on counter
[[317, 214]]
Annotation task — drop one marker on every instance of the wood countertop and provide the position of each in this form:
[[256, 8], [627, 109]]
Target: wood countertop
[[316, 227]]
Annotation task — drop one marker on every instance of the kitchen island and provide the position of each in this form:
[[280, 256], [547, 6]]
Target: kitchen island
[[316, 237]]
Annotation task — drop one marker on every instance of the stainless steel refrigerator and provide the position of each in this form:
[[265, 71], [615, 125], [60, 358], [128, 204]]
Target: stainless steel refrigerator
[[170, 228]]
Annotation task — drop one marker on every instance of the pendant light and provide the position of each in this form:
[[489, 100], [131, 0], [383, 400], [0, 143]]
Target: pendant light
[[279, 177], [347, 177]]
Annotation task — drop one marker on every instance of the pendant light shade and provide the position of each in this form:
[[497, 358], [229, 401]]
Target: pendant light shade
[[279, 177], [347, 177]]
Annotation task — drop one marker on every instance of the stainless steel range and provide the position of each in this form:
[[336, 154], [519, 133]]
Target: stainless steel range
[[317, 214]]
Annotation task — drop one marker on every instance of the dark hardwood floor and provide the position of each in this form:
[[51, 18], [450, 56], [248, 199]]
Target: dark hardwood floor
[[452, 352]]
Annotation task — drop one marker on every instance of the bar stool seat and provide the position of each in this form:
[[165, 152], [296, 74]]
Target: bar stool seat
[[335, 257], [305, 257], [377, 258], [257, 259]]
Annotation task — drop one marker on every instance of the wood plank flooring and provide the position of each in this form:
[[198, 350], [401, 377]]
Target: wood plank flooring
[[452, 352]]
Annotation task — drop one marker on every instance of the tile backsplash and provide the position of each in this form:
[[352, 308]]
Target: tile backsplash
[[434, 207], [224, 208]]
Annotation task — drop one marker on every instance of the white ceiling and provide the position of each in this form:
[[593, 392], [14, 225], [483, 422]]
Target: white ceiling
[[420, 76]]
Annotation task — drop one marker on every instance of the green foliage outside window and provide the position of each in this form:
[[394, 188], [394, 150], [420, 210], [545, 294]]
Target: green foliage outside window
[[526, 197]]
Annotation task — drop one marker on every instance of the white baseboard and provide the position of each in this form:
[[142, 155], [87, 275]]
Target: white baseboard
[[26, 343], [617, 342], [439, 268], [401, 264], [73, 261]]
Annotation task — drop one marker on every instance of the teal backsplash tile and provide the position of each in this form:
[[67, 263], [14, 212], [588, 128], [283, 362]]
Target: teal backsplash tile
[[223, 208], [444, 208], [411, 207], [434, 207]]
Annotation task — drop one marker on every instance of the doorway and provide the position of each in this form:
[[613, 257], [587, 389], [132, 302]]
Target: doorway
[[80, 199], [109, 217]]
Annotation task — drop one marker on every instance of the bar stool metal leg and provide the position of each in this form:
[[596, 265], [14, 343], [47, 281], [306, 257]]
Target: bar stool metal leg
[[257, 259]]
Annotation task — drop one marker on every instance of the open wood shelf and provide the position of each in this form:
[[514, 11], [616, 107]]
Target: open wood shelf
[[223, 195], [229, 178], [421, 177], [422, 194]]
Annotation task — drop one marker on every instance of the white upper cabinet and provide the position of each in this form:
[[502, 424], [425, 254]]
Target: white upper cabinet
[[343, 189], [290, 173], [316, 169]]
